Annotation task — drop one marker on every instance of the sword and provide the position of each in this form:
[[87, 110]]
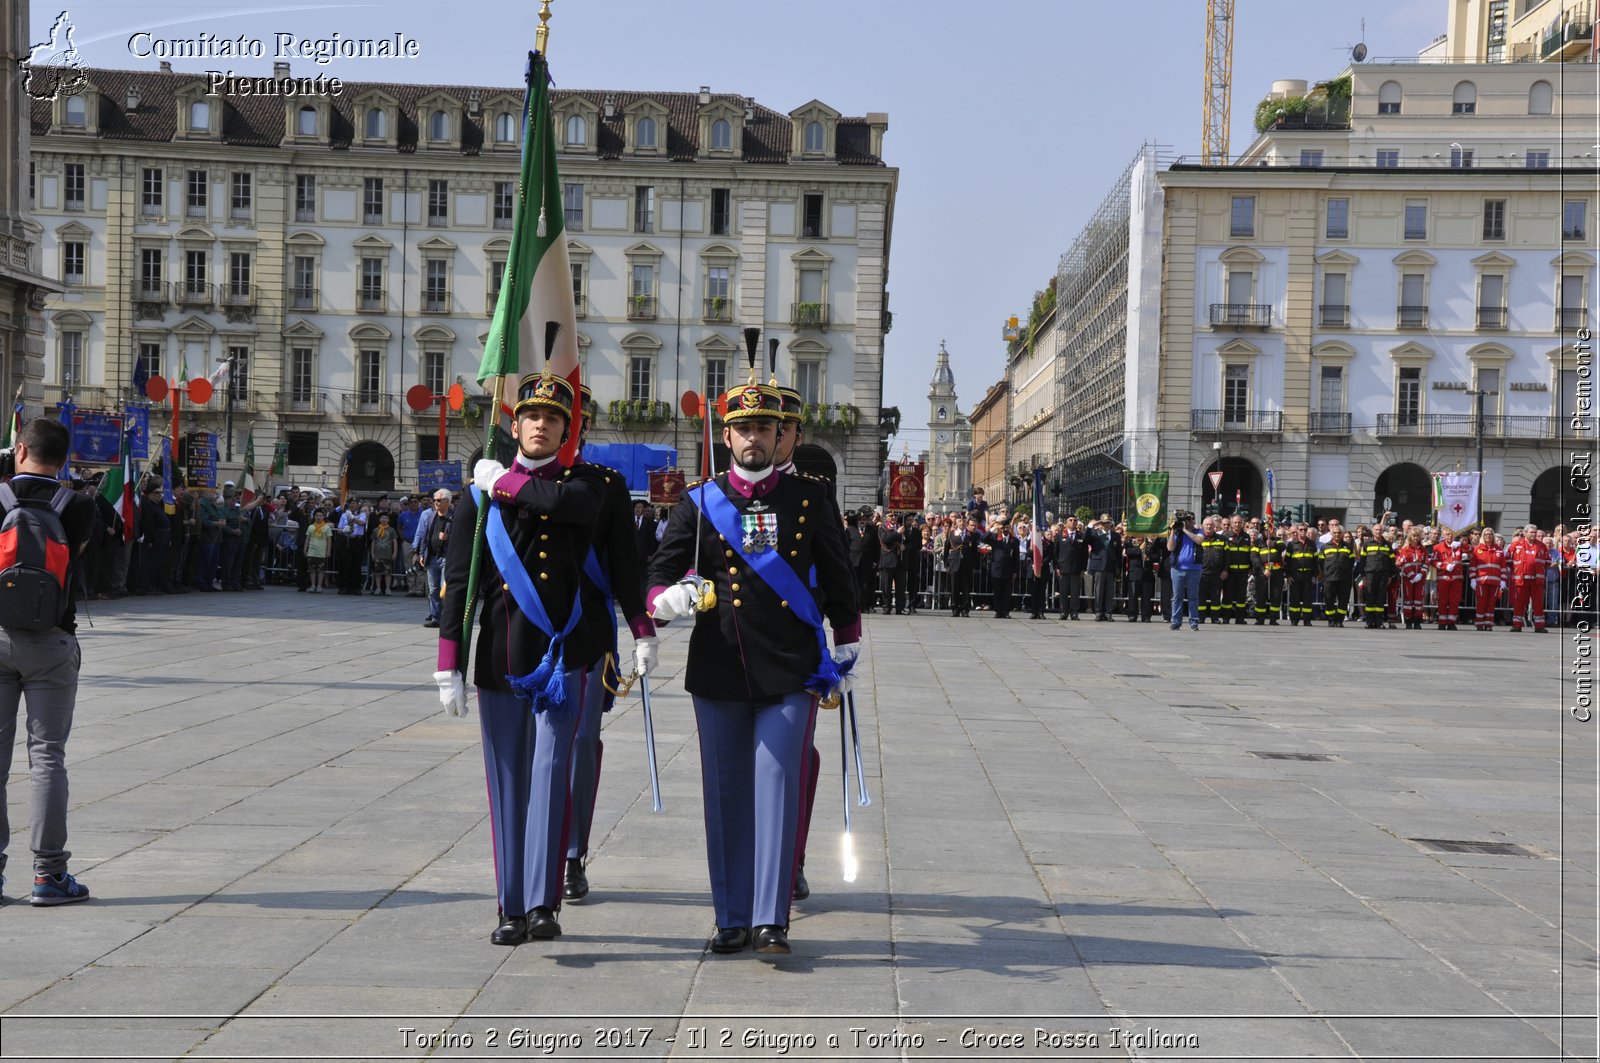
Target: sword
[[862, 796], [847, 847], [650, 745]]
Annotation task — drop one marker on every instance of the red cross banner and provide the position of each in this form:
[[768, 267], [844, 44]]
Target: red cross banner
[[1455, 496]]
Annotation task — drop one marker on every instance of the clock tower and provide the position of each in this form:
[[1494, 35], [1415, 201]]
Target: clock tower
[[949, 473]]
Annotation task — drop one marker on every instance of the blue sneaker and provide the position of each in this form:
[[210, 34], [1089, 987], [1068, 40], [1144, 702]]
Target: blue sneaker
[[58, 889]]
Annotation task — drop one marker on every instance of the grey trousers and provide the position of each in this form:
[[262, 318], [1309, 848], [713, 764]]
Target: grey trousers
[[41, 668]]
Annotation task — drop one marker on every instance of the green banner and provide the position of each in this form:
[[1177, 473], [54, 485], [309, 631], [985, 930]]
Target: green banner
[[1146, 508]]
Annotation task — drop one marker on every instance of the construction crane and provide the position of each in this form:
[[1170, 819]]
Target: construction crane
[[1219, 82]]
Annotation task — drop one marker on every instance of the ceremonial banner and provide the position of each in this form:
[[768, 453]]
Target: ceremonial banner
[[1455, 496], [432, 475], [666, 486], [280, 458], [96, 437], [137, 418], [1146, 508], [905, 486], [202, 455], [537, 290]]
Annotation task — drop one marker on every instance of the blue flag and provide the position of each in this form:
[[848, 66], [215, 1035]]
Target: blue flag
[[169, 501], [67, 410], [141, 374]]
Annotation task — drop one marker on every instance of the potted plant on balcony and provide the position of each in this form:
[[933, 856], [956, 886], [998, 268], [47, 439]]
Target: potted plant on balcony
[[809, 313], [641, 305], [719, 304]]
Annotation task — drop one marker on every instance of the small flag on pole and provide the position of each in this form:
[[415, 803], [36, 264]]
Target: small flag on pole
[[1036, 541], [118, 489]]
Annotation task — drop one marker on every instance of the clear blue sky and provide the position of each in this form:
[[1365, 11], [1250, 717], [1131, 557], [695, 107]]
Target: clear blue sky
[[1008, 119]]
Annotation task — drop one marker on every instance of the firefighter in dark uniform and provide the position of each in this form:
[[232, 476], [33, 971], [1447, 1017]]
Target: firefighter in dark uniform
[[1377, 568], [1338, 570], [758, 658], [532, 653], [611, 577], [1236, 589], [1266, 570], [1303, 563], [1213, 572]]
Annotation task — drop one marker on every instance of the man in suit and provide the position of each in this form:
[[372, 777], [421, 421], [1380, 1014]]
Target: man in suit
[[532, 650], [961, 558], [644, 535], [1072, 557], [867, 571], [1002, 567], [891, 561], [1105, 554], [911, 562], [758, 659]]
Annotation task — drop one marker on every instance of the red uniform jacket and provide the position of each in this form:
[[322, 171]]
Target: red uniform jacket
[[1529, 559], [1450, 559]]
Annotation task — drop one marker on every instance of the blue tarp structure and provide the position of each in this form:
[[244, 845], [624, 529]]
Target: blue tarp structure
[[633, 460]]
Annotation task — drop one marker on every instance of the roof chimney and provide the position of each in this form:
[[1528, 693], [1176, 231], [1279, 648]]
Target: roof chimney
[[166, 67], [133, 96], [749, 108], [705, 95], [280, 70], [474, 101], [611, 106]]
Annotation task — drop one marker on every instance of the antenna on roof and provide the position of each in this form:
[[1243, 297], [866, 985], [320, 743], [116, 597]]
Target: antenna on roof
[[1359, 52]]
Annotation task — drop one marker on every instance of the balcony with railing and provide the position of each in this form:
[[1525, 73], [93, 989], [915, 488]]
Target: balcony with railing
[[1324, 423], [1567, 41], [367, 404], [1465, 426], [83, 396], [490, 301], [371, 301], [435, 301], [238, 295], [641, 308], [719, 308], [1411, 317], [808, 315], [1572, 317], [149, 296], [302, 298], [1491, 318], [300, 403], [1335, 316], [194, 293], [1251, 422], [1241, 315]]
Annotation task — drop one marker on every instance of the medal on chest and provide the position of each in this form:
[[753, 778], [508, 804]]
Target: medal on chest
[[760, 528]]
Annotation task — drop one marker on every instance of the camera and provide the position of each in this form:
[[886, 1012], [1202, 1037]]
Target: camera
[[1182, 518]]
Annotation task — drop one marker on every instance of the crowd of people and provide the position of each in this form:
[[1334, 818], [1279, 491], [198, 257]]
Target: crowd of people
[[1238, 570]]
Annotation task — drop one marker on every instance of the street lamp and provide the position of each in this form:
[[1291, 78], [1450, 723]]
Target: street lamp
[[1479, 393]]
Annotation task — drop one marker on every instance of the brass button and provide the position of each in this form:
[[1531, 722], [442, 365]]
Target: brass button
[[544, 516], [724, 538], [732, 571], [794, 553], [543, 555], [734, 587], [802, 520], [542, 538], [727, 553], [804, 502], [799, 535], [505, 586], [544, 575], [737, 603], [784, 604]]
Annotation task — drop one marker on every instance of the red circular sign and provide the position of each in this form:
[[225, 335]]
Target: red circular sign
[[200, 391], [419, 397], [155, 389]]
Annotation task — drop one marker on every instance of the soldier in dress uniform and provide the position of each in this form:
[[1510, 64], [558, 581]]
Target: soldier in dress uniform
[[612, 577], [532, 651], [758, 658]]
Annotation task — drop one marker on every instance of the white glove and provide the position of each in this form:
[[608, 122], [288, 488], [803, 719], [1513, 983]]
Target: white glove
[[485, 473], [844, 657], [677, 600], [645, 655], [452, 692]]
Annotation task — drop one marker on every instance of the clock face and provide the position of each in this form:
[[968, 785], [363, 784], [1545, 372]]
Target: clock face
[[944, 437]]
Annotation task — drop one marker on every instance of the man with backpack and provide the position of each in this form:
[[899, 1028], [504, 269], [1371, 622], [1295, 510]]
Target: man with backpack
[[44, 526]]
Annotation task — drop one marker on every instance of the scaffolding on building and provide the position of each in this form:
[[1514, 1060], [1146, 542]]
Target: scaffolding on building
[[1091, 323]]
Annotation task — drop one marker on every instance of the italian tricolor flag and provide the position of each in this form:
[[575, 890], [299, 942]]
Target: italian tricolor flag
[[537, 289], [118, 489]]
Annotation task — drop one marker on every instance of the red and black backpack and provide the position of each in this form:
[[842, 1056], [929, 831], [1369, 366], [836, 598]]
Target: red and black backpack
[[34, 556]]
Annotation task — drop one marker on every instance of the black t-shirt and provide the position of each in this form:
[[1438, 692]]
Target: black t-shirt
[[79, 522]]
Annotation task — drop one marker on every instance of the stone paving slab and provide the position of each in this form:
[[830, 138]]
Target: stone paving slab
[[1072, 852]]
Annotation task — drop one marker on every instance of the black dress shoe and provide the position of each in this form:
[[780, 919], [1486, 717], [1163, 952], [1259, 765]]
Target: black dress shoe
[[730, 939], [514, 931], [802, 888], [542, 925], [772, 941], [577, 884]]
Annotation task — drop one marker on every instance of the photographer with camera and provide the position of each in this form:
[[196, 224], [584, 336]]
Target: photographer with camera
[[428, 549], [1184, 564]]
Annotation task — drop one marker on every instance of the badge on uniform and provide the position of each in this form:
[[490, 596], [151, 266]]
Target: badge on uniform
[[760, 528]]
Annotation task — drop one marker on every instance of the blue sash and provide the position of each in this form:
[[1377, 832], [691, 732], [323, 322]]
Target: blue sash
[[775, 573], [546, 685]]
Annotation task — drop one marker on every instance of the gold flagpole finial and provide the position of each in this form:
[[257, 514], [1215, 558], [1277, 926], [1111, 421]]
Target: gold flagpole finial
[[541, 37]]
